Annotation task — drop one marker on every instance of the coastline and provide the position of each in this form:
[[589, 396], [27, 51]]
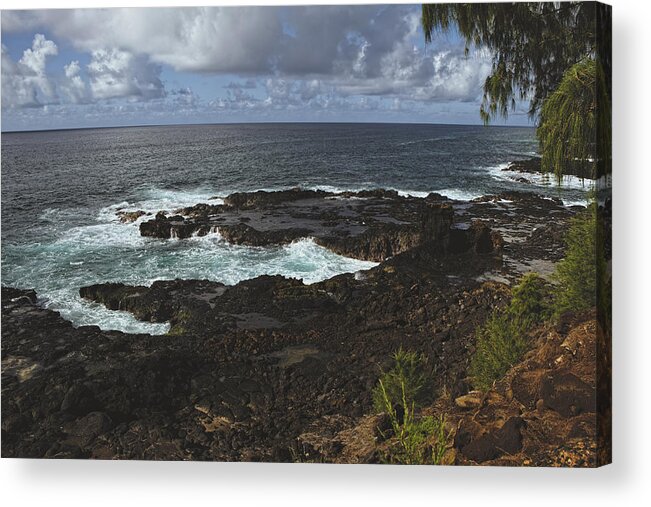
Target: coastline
[[253, 371]]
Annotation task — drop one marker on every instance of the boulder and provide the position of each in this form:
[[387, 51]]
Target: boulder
[[470, 400], [130, 216], [89, 427], [507, 439], [565, 393]]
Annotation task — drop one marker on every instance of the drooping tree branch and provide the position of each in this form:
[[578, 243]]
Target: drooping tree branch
[[557, 55]]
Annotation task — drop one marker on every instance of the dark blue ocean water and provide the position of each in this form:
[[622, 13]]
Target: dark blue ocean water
[[60, 191]]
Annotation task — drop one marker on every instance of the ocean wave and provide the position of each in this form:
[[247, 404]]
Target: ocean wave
[[412, 193], [429, 140], [570, 182], [85, 313], [333, 188], [104, 235], [156, 199], [115, 252], [307, 261], [452, 193], [57, 215], [458, 194], [575, 202], [213, 258]]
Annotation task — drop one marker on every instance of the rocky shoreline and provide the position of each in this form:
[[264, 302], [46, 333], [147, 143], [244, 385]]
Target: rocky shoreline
[[271, 369]]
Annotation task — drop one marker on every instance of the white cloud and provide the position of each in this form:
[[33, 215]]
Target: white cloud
[[74, 87], [119, 74], [311, 58], [25, 83], [33, 61], [363, 49], [185, 98], [112, 74], [200, 39]]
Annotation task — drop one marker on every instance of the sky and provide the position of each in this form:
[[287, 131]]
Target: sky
[[74, 68]]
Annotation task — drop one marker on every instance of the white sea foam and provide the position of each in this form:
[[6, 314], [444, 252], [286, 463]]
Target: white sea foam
[[570, 182], [154, 200], [429, 140], [575, 202], [57, 216], [111, 251], [458, 194], [306, 260], [452, 193], [412, 193], [84, 313], [338, 190]]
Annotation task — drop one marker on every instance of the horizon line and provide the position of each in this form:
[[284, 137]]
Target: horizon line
[[258, 123]]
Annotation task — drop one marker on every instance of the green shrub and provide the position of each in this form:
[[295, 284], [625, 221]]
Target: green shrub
[[410, 376], [501, 341], [530, 299], [576, 273], [417, 440]]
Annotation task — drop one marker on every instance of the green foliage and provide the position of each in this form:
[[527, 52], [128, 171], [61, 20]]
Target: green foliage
[[533, 44], [604, 273], [417, 440], [409, 376], [574, 126], [581, 281], [557, 55], [531, 299], [502, 340], [576, 274]]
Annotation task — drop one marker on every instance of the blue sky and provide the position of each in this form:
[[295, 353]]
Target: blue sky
[[107, 67]]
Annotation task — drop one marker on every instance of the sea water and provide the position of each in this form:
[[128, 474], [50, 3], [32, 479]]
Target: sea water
[[61, 191]]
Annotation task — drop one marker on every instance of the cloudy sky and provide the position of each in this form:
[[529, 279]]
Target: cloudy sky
[[106, 67]]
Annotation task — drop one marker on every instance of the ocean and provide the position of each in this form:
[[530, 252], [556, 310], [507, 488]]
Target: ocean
[[61, 189]]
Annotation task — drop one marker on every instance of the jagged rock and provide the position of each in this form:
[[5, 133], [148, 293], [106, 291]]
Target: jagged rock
[[165, 227], [268, 359], [117, 296], [530, 165], [11, 294], [262, 198], [243, 234], [548, 401], [478, 238], [369, 225]]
